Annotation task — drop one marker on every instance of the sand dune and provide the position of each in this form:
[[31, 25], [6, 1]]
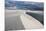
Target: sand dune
[[18, 20]]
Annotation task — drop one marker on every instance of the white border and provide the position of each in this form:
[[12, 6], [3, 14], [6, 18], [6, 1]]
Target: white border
[[2, 17]]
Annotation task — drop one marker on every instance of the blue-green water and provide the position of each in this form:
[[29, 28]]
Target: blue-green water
[[39, 17]]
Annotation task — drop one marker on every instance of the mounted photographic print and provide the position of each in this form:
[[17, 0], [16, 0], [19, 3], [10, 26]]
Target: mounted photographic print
[[23, 15]]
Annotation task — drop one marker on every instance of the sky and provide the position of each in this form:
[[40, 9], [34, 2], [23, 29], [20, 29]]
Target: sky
[[29, 0], [25, 5]]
